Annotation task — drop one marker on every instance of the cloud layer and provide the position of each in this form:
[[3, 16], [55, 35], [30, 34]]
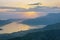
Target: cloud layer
[[24, 3], [15, 27], [9, 12], [21, 15]]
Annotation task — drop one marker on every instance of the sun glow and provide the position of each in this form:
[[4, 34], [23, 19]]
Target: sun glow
[[30, 14]]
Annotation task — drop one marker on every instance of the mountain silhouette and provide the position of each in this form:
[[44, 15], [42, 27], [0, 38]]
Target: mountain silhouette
[[41, 35], [53, 34], [51, 18], [53, 27], [5, 22]]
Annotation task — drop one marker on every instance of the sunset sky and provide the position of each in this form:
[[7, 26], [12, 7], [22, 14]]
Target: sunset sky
[[20, 9], [24, 3]]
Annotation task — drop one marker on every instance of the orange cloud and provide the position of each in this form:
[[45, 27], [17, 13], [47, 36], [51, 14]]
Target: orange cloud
[[26, 15], [30, 14]]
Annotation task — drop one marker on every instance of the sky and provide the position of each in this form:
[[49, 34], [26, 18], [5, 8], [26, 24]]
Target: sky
[[25, 12], [24, 3]]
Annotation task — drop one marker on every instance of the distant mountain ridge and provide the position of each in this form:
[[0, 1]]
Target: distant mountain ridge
[[53, 34], [49, 19], [41, 35], [5, 22], [23, 34], [53, 27]]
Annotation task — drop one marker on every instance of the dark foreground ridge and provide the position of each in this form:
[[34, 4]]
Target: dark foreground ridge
[[51, 34]]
